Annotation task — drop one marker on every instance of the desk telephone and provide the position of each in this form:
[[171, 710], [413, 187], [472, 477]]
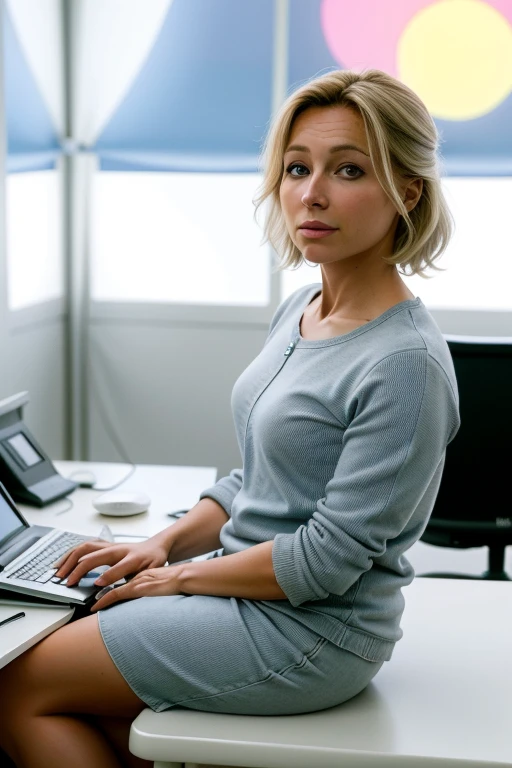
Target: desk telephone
[[25, 469]]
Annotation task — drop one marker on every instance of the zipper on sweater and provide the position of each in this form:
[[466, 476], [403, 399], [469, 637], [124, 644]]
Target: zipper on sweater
[[287, 353]]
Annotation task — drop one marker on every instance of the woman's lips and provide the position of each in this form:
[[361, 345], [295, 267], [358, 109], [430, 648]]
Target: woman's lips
[[315, 233]]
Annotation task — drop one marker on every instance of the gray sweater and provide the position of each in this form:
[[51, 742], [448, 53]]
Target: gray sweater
[[343, 443]]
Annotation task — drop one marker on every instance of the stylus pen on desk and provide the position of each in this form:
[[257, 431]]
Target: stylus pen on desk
[[14, 617]]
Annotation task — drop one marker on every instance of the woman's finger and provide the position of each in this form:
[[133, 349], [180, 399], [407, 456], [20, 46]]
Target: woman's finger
[[125, 567], [70, 554], [107, 556], [69, 560], [151, 583], [114, 595]]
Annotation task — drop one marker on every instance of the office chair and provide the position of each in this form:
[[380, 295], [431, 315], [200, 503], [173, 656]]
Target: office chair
[[474, 504]]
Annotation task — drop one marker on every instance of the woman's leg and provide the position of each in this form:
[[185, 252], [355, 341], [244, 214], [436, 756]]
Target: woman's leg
[[47, 697], [117, 731]]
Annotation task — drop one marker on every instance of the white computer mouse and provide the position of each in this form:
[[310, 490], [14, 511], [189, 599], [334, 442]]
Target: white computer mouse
[[121, 503]]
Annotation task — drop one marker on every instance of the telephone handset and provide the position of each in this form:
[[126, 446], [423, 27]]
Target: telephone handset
[[25, 469]]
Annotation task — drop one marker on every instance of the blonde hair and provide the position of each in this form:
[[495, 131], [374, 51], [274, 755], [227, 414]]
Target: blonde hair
[[403, 143]]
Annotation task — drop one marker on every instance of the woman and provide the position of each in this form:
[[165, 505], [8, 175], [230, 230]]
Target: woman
[[342, 420]]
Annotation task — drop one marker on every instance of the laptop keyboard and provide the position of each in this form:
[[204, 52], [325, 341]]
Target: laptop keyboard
[[39, 568]]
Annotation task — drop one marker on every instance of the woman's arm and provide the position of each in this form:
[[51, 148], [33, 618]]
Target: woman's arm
[[248, 574], [196, 533]]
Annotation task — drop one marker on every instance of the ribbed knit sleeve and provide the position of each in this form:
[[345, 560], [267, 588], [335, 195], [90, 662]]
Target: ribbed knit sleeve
[[401, 417], [225, 490]]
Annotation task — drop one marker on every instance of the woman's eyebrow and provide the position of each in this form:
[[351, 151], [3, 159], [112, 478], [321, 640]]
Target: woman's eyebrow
[[333, 150]]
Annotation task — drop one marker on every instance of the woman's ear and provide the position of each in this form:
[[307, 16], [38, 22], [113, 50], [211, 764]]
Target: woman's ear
[[412, 193]]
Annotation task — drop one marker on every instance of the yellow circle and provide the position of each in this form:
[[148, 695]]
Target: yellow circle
[[457, 56]]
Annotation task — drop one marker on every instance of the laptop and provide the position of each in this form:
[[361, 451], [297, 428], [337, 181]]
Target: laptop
[[27, 554]]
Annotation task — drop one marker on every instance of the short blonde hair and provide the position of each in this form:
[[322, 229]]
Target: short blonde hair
[[403, 142]]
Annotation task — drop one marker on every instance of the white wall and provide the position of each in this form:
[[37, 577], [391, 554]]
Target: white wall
[[167, 388], [37, 364]]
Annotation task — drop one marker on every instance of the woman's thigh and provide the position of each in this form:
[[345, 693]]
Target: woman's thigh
[[222, 654], [70, 671]]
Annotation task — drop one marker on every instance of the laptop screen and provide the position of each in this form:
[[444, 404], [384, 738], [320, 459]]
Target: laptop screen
[[9, 520]]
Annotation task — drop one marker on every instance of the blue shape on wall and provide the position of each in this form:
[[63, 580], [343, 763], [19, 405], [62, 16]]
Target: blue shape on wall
[[202, 100], [32, 141]]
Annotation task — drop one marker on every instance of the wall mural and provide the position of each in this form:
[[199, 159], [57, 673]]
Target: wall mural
[[456, 54]]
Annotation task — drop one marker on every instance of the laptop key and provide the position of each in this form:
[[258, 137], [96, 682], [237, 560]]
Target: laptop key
[[46, 576]]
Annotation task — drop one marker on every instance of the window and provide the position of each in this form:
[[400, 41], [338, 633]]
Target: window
[[178, 237], [34, 238]]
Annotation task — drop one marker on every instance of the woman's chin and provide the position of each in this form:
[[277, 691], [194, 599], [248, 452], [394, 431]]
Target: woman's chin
[[315, 258]]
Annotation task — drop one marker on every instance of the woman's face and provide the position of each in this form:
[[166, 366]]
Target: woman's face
[[332, 202]]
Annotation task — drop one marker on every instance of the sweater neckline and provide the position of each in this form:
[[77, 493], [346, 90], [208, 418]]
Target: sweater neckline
[[311, 343]]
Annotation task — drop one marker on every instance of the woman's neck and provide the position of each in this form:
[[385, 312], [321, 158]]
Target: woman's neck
[[358, 294]]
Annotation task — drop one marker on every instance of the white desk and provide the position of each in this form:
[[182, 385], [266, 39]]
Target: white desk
[[170, 489], [443, 701], [22, 634]]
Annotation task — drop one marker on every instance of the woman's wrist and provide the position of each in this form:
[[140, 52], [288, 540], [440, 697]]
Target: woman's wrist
[[164, 539], [194, 534]]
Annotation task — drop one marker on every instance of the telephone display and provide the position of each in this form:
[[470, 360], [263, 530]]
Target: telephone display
[[23, 450]]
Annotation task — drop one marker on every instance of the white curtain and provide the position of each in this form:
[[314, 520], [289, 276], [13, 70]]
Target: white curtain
[[38, 24], [111, 39]]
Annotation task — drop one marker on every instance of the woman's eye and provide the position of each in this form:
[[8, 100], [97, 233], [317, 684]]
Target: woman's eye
[[351, 171], [297, 169]]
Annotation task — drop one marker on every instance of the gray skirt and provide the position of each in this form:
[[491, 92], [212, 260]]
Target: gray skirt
[[226, 654]]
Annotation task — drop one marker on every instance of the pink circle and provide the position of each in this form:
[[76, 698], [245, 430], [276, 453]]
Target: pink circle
[[502, 6], [365, 33]]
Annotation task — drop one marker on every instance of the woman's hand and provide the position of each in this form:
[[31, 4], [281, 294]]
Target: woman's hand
[[150, 583], [124, 559]]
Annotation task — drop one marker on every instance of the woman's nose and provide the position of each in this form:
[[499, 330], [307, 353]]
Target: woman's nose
[[314, 195]]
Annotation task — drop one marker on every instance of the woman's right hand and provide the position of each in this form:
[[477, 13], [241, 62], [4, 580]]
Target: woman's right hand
[[124, 560]]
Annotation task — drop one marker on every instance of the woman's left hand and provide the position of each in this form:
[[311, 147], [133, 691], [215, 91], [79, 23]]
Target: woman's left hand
[[150, 583]]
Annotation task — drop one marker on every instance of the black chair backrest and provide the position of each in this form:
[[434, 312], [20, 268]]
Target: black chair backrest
[[476, 490]]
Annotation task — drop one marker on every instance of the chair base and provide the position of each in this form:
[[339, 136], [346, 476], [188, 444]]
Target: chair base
[[488, 575], [496, 563]]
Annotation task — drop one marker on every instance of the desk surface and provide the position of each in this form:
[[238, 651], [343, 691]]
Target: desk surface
[[443, 701], [170, 489], [20, 635]]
